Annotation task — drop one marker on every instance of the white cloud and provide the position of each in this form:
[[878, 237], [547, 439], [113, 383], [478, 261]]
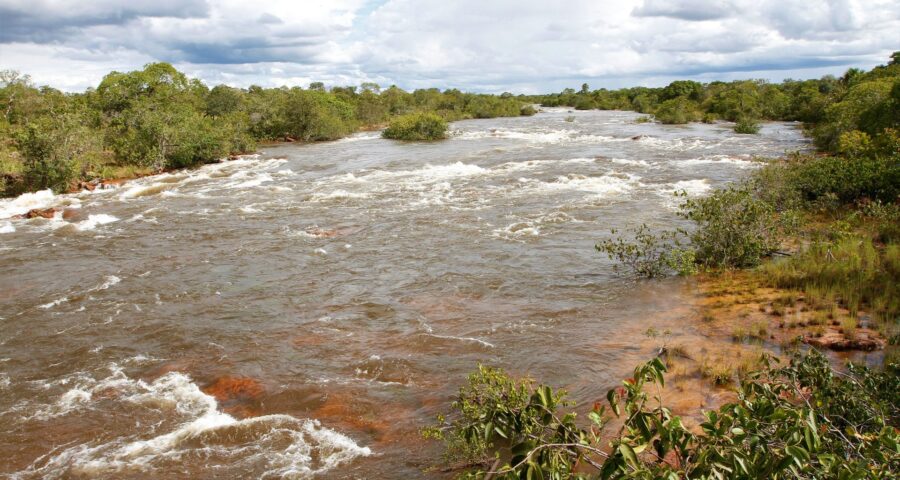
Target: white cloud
[[477, 45]]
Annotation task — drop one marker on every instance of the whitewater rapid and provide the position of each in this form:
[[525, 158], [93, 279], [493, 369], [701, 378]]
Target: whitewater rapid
[[304, 311]]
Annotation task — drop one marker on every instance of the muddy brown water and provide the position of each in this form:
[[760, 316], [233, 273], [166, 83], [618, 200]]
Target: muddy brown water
[[305, 311]]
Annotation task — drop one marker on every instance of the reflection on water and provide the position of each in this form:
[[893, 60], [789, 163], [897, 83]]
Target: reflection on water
[[307, 309]]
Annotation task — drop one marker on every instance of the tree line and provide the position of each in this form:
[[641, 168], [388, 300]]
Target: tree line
[[858, 100], [157, 118]]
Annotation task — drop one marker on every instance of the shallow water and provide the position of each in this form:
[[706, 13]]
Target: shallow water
[[306, 310]]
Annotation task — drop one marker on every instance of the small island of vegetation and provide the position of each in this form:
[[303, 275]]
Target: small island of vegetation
[[417, 126]]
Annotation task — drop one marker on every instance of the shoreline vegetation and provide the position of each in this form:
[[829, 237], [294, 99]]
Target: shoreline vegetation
[[156, 119], [801, 258], [802, 255]]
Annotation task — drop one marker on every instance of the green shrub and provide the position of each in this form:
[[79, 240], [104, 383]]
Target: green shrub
[[800, 421], [847, 178], [417, 126], [678, 110], [56, 151], [746, 125], [527, 110], [734, 228], [649, 255]]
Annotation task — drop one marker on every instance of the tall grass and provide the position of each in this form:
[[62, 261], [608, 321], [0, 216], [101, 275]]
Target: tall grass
[[852, 272]]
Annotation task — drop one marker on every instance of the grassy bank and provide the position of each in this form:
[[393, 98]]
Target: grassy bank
[[158, 119]]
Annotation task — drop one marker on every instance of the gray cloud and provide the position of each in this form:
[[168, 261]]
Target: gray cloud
[[44, 21], [472, 44], [691, 10]]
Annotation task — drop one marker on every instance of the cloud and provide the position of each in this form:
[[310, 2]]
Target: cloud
[[500, 45], [691, 10], [48, 20]]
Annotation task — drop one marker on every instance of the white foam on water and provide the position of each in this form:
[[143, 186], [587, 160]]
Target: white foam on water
[[339, 194], [518, 229], [255, 180], [108, 282], [721, 160], [679, 143], [360, 137], [531, 227], [551, 137], [599, 186], [462, 339], [628, 161], [138, 191], [54, 303], [7, 227], [191, 426], [25, 202], [691, 187], [93, 221], [536, 164]]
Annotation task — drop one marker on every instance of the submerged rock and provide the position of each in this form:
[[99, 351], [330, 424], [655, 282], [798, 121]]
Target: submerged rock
[[862, 340], [230, 389]]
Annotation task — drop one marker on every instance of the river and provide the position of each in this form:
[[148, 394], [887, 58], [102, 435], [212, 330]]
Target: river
[[305, 311]]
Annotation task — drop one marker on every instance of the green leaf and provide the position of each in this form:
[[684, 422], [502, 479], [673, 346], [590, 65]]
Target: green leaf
[[628, 453], [611, 397]]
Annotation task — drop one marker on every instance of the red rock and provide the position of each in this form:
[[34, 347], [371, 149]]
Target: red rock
[[41, 212], [234, 389], [71, 213]]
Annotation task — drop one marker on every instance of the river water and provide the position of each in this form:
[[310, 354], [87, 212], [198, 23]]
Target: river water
[[305, 311]]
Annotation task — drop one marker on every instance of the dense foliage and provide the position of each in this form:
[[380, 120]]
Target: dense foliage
[[156, 118], [417, 126], [800, 421], [859, 101]]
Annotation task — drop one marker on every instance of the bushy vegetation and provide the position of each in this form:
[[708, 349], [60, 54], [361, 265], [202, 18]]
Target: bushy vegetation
[[650, 255], [739, 225], [747, 126], [800, 421], [156, 119], [677, 111], [734, 228], [417, 126], [858, 101]]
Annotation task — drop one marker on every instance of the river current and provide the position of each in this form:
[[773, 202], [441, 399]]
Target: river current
[[306, 310]]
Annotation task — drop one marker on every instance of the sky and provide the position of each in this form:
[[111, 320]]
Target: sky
[[520, 46]]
